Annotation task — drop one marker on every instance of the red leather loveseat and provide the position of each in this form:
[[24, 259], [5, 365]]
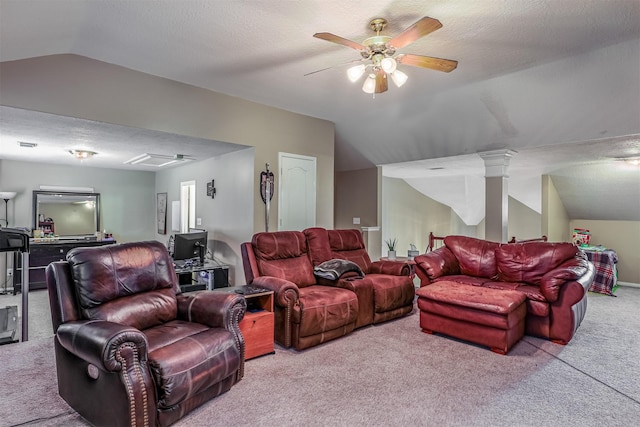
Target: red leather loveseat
[[554, 277], [311, 310]]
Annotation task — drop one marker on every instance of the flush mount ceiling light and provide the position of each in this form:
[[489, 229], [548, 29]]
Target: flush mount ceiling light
[[380, 51], [633, 161], [82, 154]]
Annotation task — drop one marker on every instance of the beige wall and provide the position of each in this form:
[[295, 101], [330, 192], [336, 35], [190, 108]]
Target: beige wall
[[621, 236], [356, 196], [555, 221], [524, 222], [76, 86], [409, 216]]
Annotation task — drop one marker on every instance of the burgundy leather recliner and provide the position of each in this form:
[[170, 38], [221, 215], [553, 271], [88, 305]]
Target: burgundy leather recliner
[[130, 348]]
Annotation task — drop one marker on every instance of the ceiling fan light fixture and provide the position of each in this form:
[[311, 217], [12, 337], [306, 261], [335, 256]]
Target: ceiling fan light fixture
[[388, 65], [82, 154], [399, 78], [369, 85], [354, 73]]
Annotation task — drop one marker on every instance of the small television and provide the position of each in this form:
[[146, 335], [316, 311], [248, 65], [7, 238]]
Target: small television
[[190, 245]]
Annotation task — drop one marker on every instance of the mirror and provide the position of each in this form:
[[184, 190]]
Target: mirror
[[66, 215]]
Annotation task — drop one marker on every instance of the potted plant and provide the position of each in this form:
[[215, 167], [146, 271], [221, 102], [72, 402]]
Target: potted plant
[[391, 246]]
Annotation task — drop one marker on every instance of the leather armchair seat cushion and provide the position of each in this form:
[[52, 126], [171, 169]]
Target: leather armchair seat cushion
[[526, 262], [476, 257], [324, 308], [181, 369], [283, 254]]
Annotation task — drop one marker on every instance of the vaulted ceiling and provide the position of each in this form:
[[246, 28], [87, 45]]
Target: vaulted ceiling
[[531, 73]]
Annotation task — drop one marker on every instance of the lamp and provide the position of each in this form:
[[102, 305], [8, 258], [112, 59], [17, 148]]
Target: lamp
[[388, 64], [6, 196], [82, 154], [399, 78], [354, 73], [369, 85]]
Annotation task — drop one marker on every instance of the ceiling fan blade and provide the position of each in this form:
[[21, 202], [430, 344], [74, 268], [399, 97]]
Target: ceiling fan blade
[[421, 28], [335, 66], [339, 40], [437, 64], [381, 82]]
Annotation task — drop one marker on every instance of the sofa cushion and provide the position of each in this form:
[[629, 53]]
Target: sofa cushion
[[283, 254], [476, 257], [465, 280], [529, 262], [182, 370], [348, 244], [318, 242], [537, 304], [324, 308]]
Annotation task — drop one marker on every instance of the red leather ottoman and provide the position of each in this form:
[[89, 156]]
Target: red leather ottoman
[[489, 317]]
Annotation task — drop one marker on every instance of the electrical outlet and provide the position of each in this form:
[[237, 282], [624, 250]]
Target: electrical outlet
[[198, 221], [9, 272], [356, 220]]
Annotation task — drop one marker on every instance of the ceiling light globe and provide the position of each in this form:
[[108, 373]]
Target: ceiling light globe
[[369, 85], [399, 78], [388, 65], [354, 73]]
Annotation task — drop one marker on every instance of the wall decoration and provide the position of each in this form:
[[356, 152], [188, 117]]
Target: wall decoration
[[266, 192], [161, 207], [211, 189]]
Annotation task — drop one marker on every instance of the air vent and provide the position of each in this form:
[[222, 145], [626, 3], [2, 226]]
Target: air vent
[[27, 144]]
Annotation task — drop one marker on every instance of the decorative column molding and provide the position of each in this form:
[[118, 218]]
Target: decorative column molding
[[496, 162], [496, 204]]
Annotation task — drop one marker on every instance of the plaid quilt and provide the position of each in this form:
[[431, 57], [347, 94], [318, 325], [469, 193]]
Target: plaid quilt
[[606, 275]]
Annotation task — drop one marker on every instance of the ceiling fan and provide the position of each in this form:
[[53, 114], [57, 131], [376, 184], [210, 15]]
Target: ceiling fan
[[381, 52]]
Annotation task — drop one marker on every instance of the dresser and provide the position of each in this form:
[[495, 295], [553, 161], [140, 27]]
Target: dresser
[[41, 254]]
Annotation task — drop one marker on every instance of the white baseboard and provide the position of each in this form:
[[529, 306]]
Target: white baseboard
[[629, 284]]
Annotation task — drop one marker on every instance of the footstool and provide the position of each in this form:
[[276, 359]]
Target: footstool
[[489, 317]]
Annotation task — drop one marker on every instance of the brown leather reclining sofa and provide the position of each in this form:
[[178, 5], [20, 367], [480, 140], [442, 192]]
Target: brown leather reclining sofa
[[554, 277], [310, 310]]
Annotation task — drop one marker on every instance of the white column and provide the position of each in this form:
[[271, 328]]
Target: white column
[[496, 206]]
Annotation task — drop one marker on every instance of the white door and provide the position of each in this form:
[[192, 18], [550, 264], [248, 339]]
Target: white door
[[297, 192]]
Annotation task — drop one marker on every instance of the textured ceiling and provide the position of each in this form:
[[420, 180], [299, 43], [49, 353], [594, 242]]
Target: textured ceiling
[[531, 72]]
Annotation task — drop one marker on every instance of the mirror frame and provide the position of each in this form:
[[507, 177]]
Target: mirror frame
[[66, 193]]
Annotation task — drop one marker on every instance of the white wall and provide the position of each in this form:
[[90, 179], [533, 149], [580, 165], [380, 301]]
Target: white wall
[[228, 218]]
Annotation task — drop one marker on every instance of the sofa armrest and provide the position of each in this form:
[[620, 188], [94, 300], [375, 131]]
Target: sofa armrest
[[214, 309], [394, 268], [434, 264], [102, 343], [285, 292], [574, 269]]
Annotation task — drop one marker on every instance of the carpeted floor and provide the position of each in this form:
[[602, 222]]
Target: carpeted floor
[[393, 374]]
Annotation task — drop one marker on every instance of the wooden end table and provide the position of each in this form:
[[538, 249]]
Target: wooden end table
[[257, 326]]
